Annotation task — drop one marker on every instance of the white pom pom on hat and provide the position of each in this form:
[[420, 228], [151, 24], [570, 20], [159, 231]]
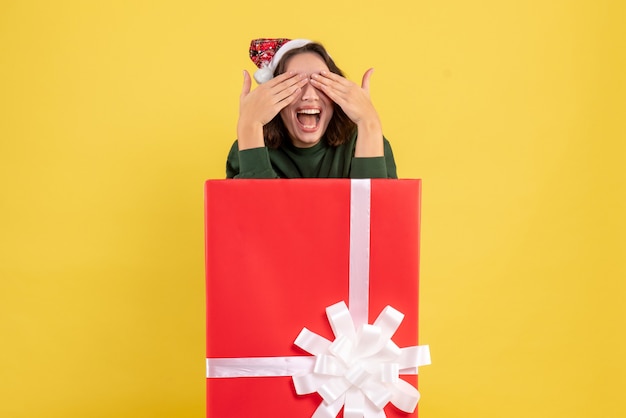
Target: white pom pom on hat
[[266, 53]]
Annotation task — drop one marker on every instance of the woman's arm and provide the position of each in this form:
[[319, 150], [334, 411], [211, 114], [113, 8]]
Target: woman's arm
[[253, 163]]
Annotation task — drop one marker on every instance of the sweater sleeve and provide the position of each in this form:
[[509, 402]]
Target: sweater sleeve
[[252, 163], [375, 167]]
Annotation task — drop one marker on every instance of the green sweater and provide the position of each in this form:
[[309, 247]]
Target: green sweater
[[319, 161]]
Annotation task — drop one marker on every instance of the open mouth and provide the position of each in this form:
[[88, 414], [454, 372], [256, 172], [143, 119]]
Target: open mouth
[[308, 118]]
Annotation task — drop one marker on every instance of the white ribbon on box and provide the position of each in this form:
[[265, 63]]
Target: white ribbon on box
[[360, 369]]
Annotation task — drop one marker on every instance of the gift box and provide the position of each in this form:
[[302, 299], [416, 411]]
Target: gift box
[[297, 270]]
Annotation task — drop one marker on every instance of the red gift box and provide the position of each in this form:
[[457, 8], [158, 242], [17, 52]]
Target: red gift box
[[278, 253]]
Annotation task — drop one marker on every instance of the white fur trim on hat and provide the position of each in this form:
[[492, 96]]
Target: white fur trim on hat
[[265, 74]]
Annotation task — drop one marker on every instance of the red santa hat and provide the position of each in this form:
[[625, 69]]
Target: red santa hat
[[266, 54]]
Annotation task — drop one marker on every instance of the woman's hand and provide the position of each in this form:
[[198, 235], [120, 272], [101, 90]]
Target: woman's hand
[[259, 106], [356, 103]]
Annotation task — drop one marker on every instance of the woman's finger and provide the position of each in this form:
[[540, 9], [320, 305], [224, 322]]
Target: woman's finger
[[281, 78], [289, 87], [333, 90], [365, 84], [247, 83]]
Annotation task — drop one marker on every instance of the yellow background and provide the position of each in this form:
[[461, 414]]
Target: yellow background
[[113, 113]]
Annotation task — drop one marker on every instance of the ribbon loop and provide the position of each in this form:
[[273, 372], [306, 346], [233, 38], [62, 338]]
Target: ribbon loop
[[329, 365], [412, 357], [378, 393], [333, 389], [340, 320], [342, 347], [390, 372], [370, 341], [389, 320], [307, 383], [311, 342], [404, 396], [325, 410], [355, 404]]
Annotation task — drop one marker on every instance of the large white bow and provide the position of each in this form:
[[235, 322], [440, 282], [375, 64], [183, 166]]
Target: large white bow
[[360, 370]]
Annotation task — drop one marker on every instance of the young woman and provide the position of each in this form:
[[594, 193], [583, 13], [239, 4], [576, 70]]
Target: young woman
[[305, 119]]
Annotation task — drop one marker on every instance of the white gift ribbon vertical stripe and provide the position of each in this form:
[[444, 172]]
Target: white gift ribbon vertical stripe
[[360, 204]]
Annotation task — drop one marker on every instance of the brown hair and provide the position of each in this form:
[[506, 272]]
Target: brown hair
[[340, 126]]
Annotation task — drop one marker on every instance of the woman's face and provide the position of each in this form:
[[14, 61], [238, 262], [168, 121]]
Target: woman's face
[[307, 117]]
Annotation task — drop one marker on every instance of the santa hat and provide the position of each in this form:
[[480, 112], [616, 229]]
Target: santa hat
[[267, 53]]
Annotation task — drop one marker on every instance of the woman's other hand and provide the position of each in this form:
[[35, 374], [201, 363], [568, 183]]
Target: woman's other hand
[[355, 101]]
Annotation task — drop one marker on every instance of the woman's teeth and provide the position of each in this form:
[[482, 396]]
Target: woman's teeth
[[308, 117]]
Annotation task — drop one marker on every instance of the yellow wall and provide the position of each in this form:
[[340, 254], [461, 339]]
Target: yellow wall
[[113, 113]]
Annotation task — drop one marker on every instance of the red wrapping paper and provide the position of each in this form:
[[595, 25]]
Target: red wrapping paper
[[277, 254]]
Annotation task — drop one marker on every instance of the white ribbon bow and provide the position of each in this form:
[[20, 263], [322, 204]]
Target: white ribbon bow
[[360, 370]]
